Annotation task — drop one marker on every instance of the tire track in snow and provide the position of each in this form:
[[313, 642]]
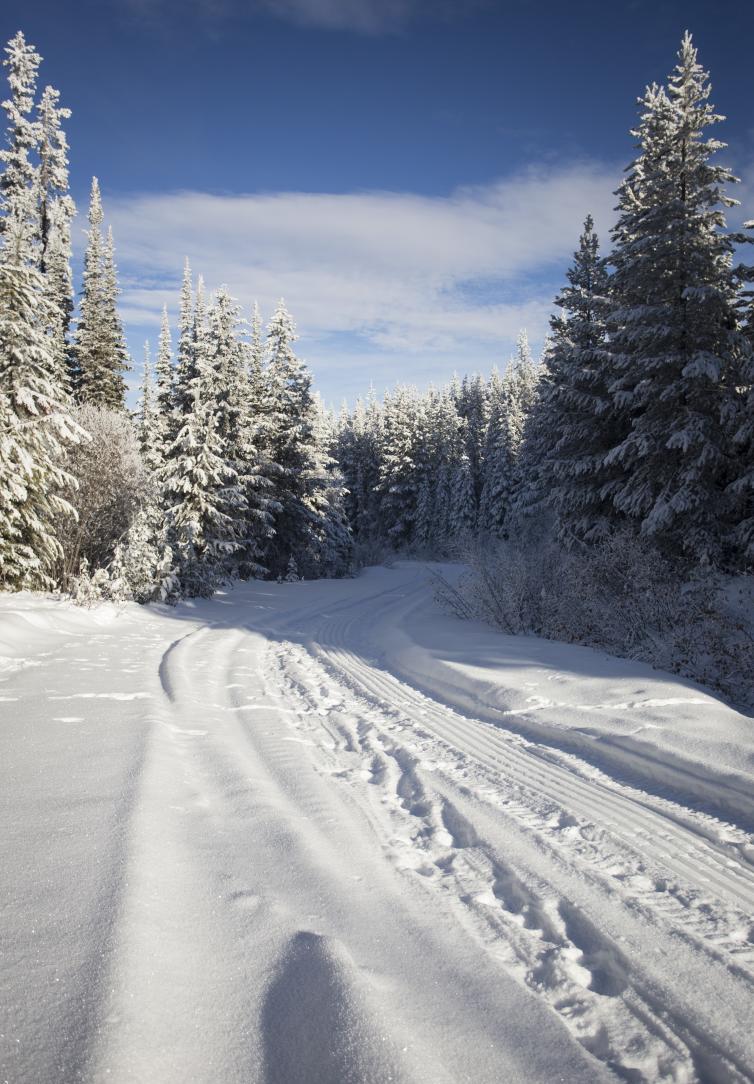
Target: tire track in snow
[[506, 756], [257, 905]]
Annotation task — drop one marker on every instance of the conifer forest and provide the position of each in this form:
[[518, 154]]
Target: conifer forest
[[408, 739]]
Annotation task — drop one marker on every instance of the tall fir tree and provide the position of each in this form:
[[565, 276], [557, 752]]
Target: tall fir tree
[[573, 424], [740, 490], [165, 388], [185, 371], [293, 459], [673, 325], [149, 418], [35, 422], [400, 476], [511, 398], [100, 357], [18, 176], [201, 492], [473, 407]]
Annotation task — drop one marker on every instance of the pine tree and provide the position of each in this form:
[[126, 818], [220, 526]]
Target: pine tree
[[142, 568], [499, 460], [293, 462], [100, 352], [333, 539], [185, 369], [256, 360], [55, 211], [357, 452], [17, 180], [35, 420], [473, 408], [202, 495], [165, 390], [236, 422], [740, 491], [673, 326], [400, 478], [511, 398], [149, 418], [573, 423]]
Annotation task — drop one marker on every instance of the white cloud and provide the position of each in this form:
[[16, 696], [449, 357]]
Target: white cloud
[[391, 276], [364, 16], [361, 16]]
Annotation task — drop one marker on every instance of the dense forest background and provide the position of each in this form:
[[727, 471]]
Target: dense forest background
[[624, 455]]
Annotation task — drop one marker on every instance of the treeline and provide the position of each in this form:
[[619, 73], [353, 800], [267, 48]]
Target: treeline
[[423, 471], [225, 472], [641, 416], [639, 419]]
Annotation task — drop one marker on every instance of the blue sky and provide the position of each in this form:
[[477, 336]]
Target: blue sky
[[410, 174]]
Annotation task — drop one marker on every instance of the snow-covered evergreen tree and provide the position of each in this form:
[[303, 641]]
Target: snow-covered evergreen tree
[[511, 398], [400, 476], [55, 211], [673, 325], [17, 179], [142, 568], [237, 428], [740, 490], [201, 491], [357, 452], [294, 462], [474, 409], [185, 370], [573, 422], [256, 359], [332, 533], [35, 419], [100, 353], [149, 417], [164, 387]]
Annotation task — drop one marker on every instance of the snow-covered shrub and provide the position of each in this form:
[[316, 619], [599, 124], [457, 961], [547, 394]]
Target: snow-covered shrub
[[87, 588], [142, 568], [112, 484], [621, 595], [291, 575]]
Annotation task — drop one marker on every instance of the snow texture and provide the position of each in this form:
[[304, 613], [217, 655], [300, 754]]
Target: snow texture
[[319, 832]]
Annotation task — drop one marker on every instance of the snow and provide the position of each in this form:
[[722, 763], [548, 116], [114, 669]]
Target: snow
[[322, 832]]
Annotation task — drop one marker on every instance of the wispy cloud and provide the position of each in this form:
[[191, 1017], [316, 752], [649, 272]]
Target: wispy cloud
[[360, 16], [408, 283]]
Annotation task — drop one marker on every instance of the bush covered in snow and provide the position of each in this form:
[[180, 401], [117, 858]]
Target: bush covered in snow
[[620, 595], [111, 485]]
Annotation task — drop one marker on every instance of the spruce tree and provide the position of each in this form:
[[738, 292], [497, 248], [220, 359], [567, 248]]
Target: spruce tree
[[149, 418], [17, 180], [202, 495], [35, 422], [673, 325], [165, 390], [293, 461], [572, 424], [54, 212], [511, 398], [358, 455], [740, 491], [473, 408], [498, 463], [100, 352], [400, 478], [228, 355], [256, 359], [185, 369]]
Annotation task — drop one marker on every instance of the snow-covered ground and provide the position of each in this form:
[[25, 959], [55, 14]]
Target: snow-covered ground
[[322, 833]]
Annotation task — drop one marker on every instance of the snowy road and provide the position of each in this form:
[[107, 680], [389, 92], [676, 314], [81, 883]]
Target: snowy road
[[322, 833]]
